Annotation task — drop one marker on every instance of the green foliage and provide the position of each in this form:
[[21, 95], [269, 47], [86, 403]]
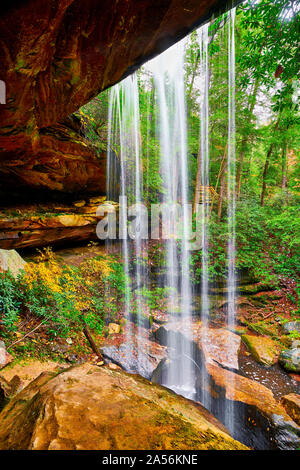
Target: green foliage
[[156, 297], [74, 297], [9, 302], [267, 247]]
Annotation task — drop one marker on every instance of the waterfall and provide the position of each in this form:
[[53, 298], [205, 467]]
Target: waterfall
[[168, 72], [125, 153], [231, 178], [124, 140], [204, 157]]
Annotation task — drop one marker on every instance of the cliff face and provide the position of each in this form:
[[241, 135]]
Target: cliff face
[[56, 55]]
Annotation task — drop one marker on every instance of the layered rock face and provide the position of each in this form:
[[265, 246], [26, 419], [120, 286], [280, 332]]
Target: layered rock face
[[57, 55], [52, 224], [92, 408]]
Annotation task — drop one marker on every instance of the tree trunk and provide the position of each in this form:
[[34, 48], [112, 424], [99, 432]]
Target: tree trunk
[[221, 177], [197, 193], [267, 163], [90, 339]]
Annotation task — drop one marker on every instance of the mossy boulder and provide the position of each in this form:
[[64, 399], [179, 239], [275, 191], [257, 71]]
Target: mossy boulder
[[290, 360], [91, 408], [262, 348]]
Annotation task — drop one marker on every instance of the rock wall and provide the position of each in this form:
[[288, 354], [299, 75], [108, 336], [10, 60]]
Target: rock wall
[[55, 56]]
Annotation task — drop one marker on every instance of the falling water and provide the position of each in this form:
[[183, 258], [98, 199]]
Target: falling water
[[204, 156], [124, 135], [168, 73], [231, 249]]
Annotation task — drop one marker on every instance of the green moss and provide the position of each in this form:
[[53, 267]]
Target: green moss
[[263, 329]]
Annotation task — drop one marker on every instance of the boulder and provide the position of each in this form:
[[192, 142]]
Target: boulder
[[96, 408], [217, 344], [12, 261], [289, 359], [134, 352], [262, 348], [220, 345], [5, 357], [291, 403]]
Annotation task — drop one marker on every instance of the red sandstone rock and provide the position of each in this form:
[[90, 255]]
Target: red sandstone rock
[[55, 56]]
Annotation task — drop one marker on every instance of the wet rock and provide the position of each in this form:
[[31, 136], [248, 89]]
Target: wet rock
[[259, 420], [166, 334], [247, 289], [262, 348], [290, 360], [92, 408], [217, 344], [136, 354], [12, 261], [290, 327], [291, 403], [220, 345], [245, 405], [5, 357]]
